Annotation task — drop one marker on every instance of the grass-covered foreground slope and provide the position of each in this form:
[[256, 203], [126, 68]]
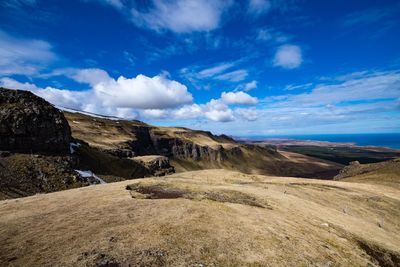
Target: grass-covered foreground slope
[[205, 218]]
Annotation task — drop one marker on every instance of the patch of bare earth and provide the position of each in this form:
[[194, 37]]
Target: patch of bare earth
[[205, 218]]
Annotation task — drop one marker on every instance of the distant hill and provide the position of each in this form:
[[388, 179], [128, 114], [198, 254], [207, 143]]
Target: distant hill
[[191, 149], [382, 173]]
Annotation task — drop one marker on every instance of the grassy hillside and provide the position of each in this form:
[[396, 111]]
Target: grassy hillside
[[205, 218], [383, 173], [179, 143]]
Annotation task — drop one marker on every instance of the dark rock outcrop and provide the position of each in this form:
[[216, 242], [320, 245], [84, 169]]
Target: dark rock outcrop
[[29, 123]]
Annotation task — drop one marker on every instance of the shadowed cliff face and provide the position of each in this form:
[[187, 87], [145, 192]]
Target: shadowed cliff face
[[29, 123], [150, 141]]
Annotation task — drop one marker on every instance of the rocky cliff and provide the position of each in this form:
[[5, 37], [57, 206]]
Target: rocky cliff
[[150, 140], [28, 123], [39, 155]]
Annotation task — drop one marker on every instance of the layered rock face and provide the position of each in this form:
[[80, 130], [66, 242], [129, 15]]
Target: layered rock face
[[148, 142], [28, 123]]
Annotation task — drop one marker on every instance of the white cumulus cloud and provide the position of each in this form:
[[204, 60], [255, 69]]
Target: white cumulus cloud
[[288, 57], [248, 114], [220, 115], [113, 97], [240, 97], [188, 112], [216, 110], [154, 113], [143, 92], [90, 76]]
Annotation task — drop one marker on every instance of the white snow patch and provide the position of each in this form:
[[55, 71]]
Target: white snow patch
[[88, 113], [87, 174]]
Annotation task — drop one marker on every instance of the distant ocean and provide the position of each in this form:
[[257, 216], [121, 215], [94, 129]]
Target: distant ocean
[[391, 140]]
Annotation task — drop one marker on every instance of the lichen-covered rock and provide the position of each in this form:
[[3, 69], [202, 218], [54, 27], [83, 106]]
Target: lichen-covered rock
[[23, 174], [29, 123]]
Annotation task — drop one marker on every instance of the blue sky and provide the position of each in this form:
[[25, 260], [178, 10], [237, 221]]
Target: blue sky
[[251, 67]]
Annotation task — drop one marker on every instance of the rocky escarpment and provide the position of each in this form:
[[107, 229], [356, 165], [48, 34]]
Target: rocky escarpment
[[188, 149], [149, 141], [28, 123]]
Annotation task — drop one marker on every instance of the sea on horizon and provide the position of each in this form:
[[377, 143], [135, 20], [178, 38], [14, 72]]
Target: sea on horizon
[[390, 140]]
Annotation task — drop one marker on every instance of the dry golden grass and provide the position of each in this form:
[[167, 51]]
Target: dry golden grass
[[101, 132], [381, 173], [205, 218], [197, 137], [109, 134], [300, 158]]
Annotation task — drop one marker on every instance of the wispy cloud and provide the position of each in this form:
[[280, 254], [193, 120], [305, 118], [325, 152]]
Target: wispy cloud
[[378, 20], [271, 35], [198, 76], [370, 86], [233, 76], [212, 71], [247, 86], [17, 3], [175, 15], [259, 7], [298, 86], [367, 16], [23, 56]]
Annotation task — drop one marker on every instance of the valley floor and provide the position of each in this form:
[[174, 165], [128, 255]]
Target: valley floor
[[205, 218]]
